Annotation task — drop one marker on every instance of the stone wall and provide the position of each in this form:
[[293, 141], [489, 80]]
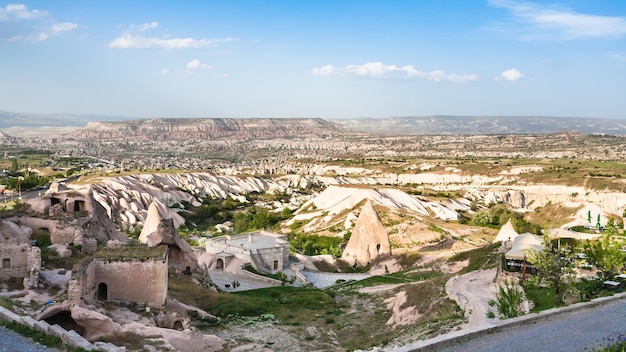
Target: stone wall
[[15, 261], [141, 281], [59, 234], [68, 337], [278, 255]]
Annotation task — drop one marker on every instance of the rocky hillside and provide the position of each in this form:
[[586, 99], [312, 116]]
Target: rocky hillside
[[127, 199], [205, 128]]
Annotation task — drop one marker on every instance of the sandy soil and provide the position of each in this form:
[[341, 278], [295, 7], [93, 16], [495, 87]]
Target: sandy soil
[[472, 291]]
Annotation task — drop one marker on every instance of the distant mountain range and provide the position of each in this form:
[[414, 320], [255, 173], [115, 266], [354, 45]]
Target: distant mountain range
[[484, 125], [12, 121], [17, 119]]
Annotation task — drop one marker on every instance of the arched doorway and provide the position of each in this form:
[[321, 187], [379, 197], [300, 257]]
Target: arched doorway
[[219, 265], [102, 292]]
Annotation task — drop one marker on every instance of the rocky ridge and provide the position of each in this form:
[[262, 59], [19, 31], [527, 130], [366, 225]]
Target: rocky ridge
[[204, 128]]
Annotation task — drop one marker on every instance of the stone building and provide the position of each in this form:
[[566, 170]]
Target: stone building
[[266, 252], [136, 274], [20, 260]]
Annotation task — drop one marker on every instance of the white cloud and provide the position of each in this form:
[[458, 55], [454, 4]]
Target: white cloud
[[44, 26], [327, 70], [196, 64], [380, 70], [19, 12], [127, 41], [512, 75], [144, 27], [58, 28], [541, 21]]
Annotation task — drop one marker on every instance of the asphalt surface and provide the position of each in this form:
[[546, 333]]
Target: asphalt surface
[[11, 341], [571, 331]]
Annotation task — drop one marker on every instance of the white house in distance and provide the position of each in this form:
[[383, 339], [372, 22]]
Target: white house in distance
[[265, 251]]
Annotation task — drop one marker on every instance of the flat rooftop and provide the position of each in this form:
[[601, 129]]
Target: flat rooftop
[[254, 240]]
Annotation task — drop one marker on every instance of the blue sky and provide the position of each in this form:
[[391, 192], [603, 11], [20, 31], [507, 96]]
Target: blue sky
[[329, 59]]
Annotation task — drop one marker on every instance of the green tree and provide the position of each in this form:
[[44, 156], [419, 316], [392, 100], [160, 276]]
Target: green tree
[[554, 269], [605, 253], [509, 299], [255, 218], [14, 166], [482, 218]]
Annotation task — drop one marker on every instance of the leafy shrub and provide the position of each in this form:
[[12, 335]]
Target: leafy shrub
[[316, 245]]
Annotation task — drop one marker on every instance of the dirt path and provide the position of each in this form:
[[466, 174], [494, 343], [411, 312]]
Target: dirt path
[[472, 291]]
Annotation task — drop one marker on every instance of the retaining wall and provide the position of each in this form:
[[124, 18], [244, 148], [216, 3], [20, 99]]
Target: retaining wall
[[68, 337]]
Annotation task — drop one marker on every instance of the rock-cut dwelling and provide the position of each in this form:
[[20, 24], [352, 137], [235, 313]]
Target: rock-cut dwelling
[[369, 240], [136, 274], [20, 260], [265, 251]]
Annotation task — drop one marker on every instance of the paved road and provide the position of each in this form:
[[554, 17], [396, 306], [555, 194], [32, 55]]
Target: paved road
[[11, 341], [571, 332]]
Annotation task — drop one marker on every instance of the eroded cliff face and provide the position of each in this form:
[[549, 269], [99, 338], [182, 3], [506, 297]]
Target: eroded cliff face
[[205, 128]]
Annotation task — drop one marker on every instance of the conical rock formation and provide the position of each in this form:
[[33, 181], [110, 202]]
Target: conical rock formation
[[369, 239]]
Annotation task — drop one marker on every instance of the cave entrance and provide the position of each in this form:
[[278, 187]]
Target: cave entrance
[[220, 264], [64, 319], [102, 291], [178, 325], [79, 205]]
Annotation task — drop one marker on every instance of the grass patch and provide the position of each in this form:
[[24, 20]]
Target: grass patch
[[369, 282], [407, 260], [131, 252], [422, 275], [485, 257], [281, 301], [542, 297]]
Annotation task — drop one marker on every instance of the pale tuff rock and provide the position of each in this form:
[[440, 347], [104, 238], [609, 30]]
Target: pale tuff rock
[[160, 229], [401, 316], [157, 212], [369, 239], [13, 234], [336, 199], [96, 325]]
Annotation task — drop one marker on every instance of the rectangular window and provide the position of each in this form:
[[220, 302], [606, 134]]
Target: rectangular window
[[275, 264], [6, 263]]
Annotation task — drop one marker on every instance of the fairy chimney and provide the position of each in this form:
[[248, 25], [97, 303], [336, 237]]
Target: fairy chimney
[[369, 238]]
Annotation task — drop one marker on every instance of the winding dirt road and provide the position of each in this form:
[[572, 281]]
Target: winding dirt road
[[472, 291]]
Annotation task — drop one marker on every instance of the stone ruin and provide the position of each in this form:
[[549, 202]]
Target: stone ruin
[[70, 216], [20, 260]]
